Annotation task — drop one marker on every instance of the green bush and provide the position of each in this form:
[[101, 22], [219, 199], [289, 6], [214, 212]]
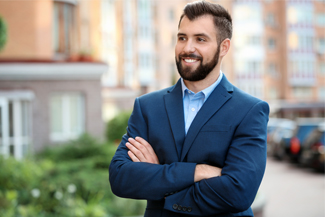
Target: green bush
[[68, 180], [3, 33], [83, 147], [116, 127]]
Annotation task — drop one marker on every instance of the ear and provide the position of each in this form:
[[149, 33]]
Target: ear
[[224, 47]]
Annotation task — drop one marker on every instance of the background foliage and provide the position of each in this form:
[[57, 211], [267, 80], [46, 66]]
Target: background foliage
[[67, 181], [3, 33], [116, 127]]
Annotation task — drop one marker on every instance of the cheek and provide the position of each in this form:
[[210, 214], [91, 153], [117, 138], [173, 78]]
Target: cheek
[[209, 56]]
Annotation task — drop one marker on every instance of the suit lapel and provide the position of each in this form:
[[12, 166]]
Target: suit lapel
[[175, 112], [218, 97]]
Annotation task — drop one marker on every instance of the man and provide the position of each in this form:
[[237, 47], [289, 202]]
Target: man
[[197, 148]]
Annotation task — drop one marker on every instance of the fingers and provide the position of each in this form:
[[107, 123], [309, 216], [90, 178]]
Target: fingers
[[142, 150], [149, 154], [133, 157], [135, 151], [145, 144]]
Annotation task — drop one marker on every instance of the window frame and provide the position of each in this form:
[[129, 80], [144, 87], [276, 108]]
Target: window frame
[[67, 133]]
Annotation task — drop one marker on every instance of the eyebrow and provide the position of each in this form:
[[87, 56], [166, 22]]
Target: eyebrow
[[198, 34]]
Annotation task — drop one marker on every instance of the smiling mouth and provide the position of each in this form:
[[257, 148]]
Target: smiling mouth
[[190, 60]]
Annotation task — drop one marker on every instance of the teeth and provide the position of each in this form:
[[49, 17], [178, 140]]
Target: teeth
[[190, 60]]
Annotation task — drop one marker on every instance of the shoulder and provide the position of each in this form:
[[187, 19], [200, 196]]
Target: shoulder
[[244, 99], [239, 96]]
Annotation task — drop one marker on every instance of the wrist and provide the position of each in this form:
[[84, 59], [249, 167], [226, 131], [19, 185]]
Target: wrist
[[197, 173]]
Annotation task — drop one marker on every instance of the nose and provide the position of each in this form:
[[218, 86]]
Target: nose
[[189, 47]]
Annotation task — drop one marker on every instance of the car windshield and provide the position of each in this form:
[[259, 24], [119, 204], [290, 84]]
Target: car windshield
[[322, 138], [303, 131], [270, 129]]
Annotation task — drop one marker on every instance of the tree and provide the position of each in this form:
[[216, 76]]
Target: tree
[[3, 33]]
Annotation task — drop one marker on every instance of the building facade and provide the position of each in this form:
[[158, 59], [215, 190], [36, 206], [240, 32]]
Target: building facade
[[277, 51], [50, 79]]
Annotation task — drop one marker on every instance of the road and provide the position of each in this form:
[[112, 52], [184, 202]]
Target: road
[[292, 191]]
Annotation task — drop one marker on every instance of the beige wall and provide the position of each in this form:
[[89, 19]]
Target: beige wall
[[29, 29]]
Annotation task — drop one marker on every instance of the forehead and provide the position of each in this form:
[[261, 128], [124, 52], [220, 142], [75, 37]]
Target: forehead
[[201, 25]]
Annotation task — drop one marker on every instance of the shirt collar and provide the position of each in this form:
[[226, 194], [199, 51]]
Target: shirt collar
[[207, 91]]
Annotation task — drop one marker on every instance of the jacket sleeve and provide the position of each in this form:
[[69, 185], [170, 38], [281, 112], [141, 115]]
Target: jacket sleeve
[[139, 180], [234, 191]]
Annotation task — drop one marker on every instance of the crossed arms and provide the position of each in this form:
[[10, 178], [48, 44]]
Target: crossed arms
[[141, 151], [135, 171]]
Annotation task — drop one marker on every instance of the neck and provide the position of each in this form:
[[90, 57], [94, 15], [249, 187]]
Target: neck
[[197, 86]]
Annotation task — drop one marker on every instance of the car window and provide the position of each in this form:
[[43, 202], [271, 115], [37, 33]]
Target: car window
[[322, 138], [303, 131]]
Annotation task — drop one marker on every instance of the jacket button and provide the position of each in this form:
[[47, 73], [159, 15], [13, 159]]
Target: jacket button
[[175, 206], [179, 208], [184, 208], [189, 209]]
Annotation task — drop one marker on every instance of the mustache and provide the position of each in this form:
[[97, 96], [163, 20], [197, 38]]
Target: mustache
[[189, 56]]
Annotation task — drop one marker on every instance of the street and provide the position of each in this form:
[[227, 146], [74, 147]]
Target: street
[[292, 191]]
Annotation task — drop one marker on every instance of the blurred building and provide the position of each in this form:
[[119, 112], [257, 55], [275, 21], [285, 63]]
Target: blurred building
[[50, 81], [294, 39], [277, 51]]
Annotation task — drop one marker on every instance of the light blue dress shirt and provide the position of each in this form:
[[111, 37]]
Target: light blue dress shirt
[[192, 102]]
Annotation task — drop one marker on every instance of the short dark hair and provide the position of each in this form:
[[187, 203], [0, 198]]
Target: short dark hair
[[221, 17]]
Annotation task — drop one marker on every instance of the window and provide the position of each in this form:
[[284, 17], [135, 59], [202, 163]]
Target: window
[[320, 20], [321, 45], [273, 94], [302, 92], [270, 20], [67, 116], [171, 14], [254, 40], [271, 44], [300, 14], [321, 93], [145, 61], [272, 69], [64, 30], [15, 125], [144, 31], [322, 68]]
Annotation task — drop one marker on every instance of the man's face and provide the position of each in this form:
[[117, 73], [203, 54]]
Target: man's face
[[197, 50]]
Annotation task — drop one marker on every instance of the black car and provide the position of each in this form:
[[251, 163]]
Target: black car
[[304, 127], [283, 131], [313, 149]]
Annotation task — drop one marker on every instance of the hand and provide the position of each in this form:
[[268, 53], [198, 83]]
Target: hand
[[141, 151], [205, 171]]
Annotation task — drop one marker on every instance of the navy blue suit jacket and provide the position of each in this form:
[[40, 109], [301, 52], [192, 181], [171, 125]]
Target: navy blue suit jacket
[[229, 132]]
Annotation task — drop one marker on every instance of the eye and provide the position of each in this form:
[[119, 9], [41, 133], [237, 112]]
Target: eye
[[181, 38], [201, 39]]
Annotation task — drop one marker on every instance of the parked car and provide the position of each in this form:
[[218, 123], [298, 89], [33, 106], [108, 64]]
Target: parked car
[[313, 149], [304, 127], [272, 127], [280, 135]]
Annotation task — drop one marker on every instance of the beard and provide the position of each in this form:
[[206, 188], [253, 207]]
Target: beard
[[201, 72]]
